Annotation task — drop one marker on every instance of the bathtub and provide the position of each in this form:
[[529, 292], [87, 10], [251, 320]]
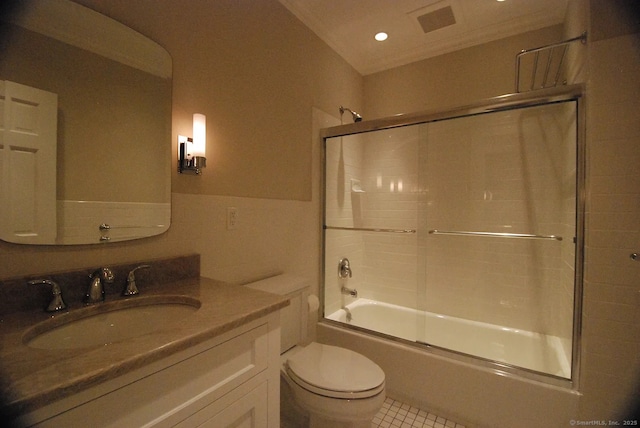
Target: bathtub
[[470, 390], [521, 348]]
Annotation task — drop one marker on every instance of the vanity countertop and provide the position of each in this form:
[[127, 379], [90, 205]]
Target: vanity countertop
[[31, 378]]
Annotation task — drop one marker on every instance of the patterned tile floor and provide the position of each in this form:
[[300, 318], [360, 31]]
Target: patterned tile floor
[[395, 414]]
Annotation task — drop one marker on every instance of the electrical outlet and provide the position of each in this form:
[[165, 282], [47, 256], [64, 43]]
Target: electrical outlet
[[232, 218]]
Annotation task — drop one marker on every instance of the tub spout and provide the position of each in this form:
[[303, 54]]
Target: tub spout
[[349, 291]]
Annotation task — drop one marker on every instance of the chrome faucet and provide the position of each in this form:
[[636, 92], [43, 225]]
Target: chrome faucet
[[95, 292], [349, 291], [344, 268], [344, 271], [131, 289], [56, 304]]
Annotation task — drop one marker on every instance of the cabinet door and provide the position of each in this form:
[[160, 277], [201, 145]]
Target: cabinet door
[[248, 411], [217, 375]]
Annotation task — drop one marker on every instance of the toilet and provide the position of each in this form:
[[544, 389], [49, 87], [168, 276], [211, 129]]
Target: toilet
[[321, 385]]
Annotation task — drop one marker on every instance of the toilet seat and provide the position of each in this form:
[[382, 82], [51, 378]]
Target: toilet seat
[[335, 372]]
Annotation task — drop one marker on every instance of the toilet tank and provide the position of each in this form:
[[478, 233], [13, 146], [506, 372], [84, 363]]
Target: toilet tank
[[293, 318]]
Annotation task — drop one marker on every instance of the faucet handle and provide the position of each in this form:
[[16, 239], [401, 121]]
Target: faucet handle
[[105, 274], [56, 304], [131, 289], [344, 268]]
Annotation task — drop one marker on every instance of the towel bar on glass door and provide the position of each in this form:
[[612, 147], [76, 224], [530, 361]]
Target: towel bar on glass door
[[495, 234], [366, 229]]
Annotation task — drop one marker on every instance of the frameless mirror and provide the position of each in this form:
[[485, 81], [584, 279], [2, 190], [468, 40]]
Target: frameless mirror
[[85, 128]]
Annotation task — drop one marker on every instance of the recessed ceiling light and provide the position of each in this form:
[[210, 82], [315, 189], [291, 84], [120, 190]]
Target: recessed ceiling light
[[381, 36]]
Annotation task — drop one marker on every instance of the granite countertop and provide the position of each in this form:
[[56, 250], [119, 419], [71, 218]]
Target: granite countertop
[[31, 378]]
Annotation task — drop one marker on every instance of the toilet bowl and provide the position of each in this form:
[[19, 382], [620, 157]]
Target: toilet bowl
[[336, 387], [321, 385]]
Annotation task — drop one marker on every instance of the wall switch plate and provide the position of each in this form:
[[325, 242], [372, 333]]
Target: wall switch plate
[[232, 218]]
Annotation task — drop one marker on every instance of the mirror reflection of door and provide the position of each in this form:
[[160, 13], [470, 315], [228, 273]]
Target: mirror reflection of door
[[28, 130], [113, 86]]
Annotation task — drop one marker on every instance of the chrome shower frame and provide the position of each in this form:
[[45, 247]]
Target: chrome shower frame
[[501, 103]]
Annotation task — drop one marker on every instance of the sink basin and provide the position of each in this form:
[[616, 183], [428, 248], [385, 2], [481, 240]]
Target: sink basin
[[110, 322]]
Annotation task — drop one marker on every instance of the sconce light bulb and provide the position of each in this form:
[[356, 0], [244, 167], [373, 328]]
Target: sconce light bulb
[[199, 134]]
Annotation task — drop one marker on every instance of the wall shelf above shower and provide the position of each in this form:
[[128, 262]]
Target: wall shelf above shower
[[544, 65]]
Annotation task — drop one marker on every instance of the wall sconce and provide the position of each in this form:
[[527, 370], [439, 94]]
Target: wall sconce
[[191, 151]]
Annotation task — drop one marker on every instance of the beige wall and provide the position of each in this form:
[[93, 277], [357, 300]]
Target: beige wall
[[255, 71], [451, 80]]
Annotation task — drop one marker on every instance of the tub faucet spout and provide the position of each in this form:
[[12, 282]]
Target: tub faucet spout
[[349, 291]]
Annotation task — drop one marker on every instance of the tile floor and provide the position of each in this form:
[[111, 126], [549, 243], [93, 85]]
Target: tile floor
[[395, 414]]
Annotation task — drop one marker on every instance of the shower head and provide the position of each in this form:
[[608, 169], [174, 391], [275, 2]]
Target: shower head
[[356, 116]]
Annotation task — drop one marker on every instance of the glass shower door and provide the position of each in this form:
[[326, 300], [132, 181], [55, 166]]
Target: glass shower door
[[460, 232], [497, 236], [371, 213]]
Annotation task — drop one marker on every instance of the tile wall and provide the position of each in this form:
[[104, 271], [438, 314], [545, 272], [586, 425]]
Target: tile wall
[[611, 319]]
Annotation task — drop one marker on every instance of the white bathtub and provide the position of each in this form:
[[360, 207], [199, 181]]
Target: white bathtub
[[465, 389], [529, 350]]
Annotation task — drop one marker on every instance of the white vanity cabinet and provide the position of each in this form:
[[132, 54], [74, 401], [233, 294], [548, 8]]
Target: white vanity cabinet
[[229, 380]]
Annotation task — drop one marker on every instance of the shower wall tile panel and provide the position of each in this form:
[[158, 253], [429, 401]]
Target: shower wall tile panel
[[341, 244], [611, 319]]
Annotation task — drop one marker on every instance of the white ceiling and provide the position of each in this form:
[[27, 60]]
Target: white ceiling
[[348, 26]]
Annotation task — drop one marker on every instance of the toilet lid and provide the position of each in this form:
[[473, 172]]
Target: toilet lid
[[335, 372]]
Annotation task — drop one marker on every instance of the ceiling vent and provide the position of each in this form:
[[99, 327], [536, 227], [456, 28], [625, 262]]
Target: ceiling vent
[[437, 19]]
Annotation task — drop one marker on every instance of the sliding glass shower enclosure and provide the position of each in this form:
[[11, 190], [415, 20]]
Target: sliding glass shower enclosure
[[461, 230]]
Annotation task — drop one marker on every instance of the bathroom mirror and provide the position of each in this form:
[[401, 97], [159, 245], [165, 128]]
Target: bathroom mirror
[[109, 153]]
